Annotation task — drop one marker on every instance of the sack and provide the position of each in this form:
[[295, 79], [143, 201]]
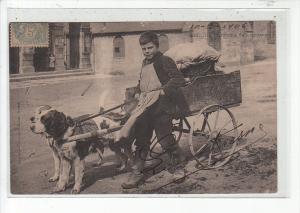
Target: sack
[[192, 54]]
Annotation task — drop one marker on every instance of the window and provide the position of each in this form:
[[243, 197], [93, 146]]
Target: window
[[119, 47], [271, 32], [163, 43], [117, 50], [214, 35]]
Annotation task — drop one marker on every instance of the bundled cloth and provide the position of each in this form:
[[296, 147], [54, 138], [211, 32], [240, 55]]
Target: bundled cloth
[[191, 56]]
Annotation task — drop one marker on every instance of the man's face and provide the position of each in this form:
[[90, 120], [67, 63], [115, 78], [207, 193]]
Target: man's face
[[149, 50]]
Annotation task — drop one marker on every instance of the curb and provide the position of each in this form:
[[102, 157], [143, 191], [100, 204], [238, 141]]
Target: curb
[[51, 75]]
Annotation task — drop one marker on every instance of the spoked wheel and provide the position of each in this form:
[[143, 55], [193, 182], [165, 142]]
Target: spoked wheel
[[177, 129], [213, 135]]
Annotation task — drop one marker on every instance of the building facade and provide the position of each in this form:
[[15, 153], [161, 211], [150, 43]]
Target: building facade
[[69, 44], [113, 48], [116, 48]]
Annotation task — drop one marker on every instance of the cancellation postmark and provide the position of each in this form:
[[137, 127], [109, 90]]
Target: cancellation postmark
[[29, 35]]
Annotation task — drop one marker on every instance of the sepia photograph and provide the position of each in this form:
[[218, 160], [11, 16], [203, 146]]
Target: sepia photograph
[[153, 107]]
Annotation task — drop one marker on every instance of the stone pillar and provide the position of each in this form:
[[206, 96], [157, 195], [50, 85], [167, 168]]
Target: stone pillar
[[85, 46], [231, 43], [26, 60], [247, 44], [66, 46], [58, 46]]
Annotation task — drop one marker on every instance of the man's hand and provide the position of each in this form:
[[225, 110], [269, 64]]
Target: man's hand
[[162, 92]]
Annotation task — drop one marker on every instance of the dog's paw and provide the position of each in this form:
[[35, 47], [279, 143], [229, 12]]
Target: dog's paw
[[75, 191], [59, 187], [53, 178]]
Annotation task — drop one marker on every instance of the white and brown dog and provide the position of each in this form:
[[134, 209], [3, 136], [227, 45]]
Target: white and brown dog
[[57, 127]]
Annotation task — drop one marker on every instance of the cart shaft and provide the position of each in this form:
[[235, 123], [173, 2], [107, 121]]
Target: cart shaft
[[92, 134]]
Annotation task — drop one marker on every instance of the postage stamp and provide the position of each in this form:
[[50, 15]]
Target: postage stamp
[[29, 35]]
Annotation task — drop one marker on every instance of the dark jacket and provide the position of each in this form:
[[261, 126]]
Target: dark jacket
[[170, 78]]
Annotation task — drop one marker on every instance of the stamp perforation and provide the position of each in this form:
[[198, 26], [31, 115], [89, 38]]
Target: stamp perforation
[[31, 42]]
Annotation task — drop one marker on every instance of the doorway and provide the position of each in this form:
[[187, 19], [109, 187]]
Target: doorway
[[14, 60], [74, 36], [41, 59]]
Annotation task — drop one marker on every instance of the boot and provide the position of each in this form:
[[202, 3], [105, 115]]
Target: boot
[[177, 164], [136, 177]]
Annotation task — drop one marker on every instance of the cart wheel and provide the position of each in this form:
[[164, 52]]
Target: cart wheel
[[177, 132], [213, 135], [177, 129]]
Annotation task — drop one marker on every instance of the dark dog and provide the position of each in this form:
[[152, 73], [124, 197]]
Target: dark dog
[[57, 127]]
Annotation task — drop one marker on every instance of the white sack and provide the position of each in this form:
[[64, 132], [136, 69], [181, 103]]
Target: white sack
[[192, 52]]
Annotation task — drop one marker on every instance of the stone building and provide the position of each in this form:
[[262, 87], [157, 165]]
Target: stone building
[[70, 43], [112, 48], [116, 48], [116, 45]]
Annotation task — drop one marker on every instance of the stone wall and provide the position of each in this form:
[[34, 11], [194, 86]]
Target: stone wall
[[264, 46], [233, 39], [105, 63], [239, 43]]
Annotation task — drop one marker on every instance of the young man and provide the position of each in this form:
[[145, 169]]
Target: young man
[[157, 89]]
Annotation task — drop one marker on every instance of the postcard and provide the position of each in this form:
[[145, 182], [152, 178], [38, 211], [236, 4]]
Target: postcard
[[144, 107]]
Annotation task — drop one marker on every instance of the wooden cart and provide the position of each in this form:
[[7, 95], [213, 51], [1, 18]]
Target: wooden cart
[[204, 116]]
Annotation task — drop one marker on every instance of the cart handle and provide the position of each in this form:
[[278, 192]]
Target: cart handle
[[111, 109], [97, 133], [103, 112]]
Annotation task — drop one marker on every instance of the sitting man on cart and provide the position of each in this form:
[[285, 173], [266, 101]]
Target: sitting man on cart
[[157, 89]]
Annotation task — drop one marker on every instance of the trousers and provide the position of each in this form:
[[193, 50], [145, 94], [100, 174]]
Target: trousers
[[153, 120]]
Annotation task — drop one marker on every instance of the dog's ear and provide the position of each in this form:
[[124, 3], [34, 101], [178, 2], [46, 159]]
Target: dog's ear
[[60, 123], [47, 119], [55, 123], [70, 121]]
